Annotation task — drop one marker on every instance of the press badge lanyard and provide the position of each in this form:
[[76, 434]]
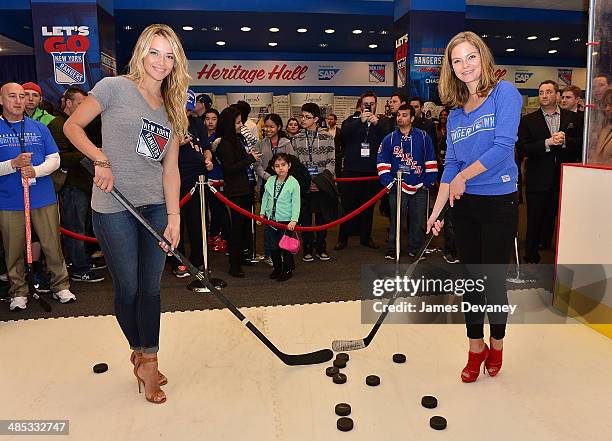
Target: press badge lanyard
[[365, 145], [310, 145], [276, 196]]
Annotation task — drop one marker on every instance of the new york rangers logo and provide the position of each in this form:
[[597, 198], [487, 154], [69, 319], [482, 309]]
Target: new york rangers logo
[[377, 73], [69, 67], [152, 140]]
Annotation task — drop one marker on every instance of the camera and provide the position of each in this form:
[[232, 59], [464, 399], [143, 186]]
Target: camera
[[367, 106]]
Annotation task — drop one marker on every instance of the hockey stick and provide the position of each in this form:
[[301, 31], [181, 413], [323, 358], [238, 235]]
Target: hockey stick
[[317, 357], [28, 231], [352, 345]]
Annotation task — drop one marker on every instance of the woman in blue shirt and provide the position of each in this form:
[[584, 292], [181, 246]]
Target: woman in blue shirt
[[480, 182]]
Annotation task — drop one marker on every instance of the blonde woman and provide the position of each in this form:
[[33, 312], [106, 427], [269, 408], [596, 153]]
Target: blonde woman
[[143, 119], [480, 181]]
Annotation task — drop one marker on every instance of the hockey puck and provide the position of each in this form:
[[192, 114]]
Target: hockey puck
[[100, 368], [429, 402], [344, 424], [399, 358], [342, 356], [339, 378], [343, 409], [340, 364], [437, 422], [372, 380], [331, 371]]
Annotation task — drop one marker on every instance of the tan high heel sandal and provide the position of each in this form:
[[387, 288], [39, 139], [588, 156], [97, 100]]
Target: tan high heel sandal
[[158, 396], [137, 355]]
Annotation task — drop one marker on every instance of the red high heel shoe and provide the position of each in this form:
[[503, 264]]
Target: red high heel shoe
[[136, 356], [493, 363], [470, 372]]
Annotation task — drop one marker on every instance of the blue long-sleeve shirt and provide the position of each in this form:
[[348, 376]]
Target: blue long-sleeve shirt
[[414, 154], [488, 134]]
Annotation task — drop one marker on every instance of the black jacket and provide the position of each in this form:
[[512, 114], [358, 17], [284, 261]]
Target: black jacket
[[428, 126], [327, 185], [355, 132], [234, 162], [544, 168]]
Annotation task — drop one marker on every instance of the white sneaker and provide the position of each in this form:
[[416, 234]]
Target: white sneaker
[[4, 277], [18, 303], [64, 296]]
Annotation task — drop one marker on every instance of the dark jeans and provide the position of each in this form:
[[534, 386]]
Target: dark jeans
[[283, 260], [136, 263], [219, 217], [415, 206], [74, 218], [240, 236], [485, 227], [449, 235], [354, 195], [316, 203], [541, 217], [191, 220]]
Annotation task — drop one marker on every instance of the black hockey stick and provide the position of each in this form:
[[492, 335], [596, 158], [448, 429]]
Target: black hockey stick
[[28, 231], [317, 357], [352, 345]]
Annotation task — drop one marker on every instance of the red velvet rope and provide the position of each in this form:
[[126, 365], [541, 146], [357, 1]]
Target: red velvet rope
[[365, 178], [77, 236], [263, 220]]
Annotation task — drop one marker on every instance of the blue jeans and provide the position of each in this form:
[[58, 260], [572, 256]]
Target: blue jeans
[[74, 218], [136, 263], [414, 205]]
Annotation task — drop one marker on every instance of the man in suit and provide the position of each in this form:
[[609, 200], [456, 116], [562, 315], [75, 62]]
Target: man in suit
[[547, 137]]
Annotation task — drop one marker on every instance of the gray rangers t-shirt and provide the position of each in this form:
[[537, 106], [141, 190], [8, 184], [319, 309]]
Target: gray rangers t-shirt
[[135, 138]]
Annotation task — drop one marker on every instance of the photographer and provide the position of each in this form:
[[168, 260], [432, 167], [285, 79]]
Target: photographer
[[361, 136]]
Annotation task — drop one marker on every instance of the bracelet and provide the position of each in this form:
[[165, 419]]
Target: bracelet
[[173, 214], [103, 164]]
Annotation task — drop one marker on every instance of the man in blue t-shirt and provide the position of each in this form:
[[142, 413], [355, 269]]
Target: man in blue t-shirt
[[40, 159]]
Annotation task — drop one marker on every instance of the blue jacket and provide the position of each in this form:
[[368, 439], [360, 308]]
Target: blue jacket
[[487, 134], [414, 154]]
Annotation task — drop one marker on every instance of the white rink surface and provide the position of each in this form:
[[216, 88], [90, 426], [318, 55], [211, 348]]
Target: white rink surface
[[555, 384]]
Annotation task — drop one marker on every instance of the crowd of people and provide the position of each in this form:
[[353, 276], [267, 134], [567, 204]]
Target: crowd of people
[[471, 155]]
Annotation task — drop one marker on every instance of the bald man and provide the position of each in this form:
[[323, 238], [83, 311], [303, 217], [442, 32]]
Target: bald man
[[40, 159]]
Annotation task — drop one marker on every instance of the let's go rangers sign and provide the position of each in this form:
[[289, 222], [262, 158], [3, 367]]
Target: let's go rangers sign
[[68, 46], [290, 73]]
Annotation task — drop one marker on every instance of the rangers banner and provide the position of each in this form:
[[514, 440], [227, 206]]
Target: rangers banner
[[401, 52], [253, 73]]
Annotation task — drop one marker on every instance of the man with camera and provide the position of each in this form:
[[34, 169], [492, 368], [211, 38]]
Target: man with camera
[[361, 136]]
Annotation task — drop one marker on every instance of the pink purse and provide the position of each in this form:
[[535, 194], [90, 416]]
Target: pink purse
[[288, 243]]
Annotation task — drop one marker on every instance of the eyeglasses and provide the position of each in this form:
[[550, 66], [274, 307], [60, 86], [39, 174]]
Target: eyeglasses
[[306, 117]]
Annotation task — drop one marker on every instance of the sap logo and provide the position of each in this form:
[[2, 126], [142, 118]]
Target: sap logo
[[522, 77], [326, 74]]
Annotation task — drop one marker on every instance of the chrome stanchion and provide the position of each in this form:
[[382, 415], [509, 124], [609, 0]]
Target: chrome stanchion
[[254, 258], [398, 215], [196, 285], [518, 278]]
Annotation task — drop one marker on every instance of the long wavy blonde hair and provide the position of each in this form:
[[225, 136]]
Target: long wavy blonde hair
[[454, 92], [174, 86]]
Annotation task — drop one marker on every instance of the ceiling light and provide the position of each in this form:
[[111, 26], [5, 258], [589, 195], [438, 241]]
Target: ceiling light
[[302, 30], [532, 37], [552, 51], [322, 44], [371, 31], [216, 28], [204, 29], [274, 29], [188, 28], [577, 40], [555, 38], [220, 43], [330, 31], [508, 37], [510, 49], [383, 32], [372, 46], [272, 43], [484, 35], [357, 31], [245, 29], [127, 28]]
